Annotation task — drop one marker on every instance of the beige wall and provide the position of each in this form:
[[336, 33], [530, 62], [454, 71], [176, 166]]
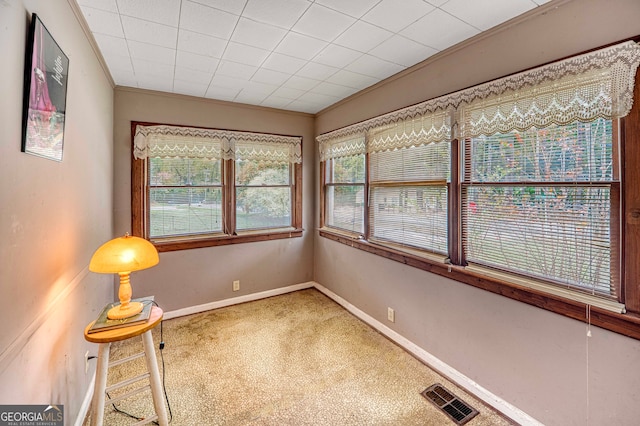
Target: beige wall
[[194, 277], [541, 362], [52, 216]]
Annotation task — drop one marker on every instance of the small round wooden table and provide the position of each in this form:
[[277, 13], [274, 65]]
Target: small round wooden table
[[105, 338]]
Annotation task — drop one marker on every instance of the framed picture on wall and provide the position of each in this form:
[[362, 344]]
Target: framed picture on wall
[[45, 93]]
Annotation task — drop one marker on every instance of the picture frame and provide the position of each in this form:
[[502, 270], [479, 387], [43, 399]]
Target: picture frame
[[45, 94]]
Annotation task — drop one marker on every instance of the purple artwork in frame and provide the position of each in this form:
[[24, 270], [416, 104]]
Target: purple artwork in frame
[[45, 92]]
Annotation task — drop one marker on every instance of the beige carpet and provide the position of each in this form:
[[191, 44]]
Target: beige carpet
[[296, 359]]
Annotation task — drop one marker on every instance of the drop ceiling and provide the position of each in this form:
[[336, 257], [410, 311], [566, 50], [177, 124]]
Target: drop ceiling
[[297, 55]]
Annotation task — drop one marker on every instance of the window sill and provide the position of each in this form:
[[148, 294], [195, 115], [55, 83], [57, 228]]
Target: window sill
[[627, 324], [186, 243]]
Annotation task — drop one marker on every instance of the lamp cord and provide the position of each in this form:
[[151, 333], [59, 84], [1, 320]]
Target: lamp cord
[[164, 388]]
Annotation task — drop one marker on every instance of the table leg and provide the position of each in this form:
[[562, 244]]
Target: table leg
[[97, 414], [154, 378]]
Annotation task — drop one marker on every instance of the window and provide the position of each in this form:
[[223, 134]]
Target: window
[[516, 184], [344, 172], [196, 187], [409, 165], [549, 193]]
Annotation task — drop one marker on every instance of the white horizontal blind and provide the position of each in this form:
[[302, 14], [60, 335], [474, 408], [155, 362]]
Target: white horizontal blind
[[344, 182], [409, 170], [185, 196], [539, 203]]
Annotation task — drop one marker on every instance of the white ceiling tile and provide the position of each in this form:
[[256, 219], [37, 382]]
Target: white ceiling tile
[[118, 63], [436, 3], [320, 98], [300, 83], [331, 89], [316, 71], [439, 30], [282, 13], [237, 70], [222, 92], [303, 106], [352, 79], [189, 88], [102, 22], [257, 34], [362, 36], [111, 45], [244, 54], [206, 20], [337, 56], [261, 88], [388, 15], [403, 51], [201, 44], [374, 67], [196, 62], [106, 5], [288, 92], [151, 82], [323, 23], [161, 11], [300, 46], [233, 6], [125, 79], [269, 76], [155, 69], [194, 76], [227, 81], [283, 63], [247, 97], [149, 32], [355, 8], [153, 53], [484, 14], [276, 102]]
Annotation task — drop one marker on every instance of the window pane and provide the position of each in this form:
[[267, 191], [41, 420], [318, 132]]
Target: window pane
[[427, 162], [347, 170], [261, 173], [575, 152], [181, 211], [263, 207], [345, 207], [415, 216], [557, 233], [188, 171]]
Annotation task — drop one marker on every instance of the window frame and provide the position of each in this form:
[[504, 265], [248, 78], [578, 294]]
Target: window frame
[[140, 213], [625, 223]]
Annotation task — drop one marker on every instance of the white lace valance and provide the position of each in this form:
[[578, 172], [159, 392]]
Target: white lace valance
[[346, 146], [583, 88], [190, 142], [531, 94], [411, 132]]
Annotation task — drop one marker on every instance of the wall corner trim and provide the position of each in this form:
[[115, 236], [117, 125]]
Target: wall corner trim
[[504, 407]]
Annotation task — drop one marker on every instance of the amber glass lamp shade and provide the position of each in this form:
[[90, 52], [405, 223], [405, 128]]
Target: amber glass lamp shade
[[122, 256]]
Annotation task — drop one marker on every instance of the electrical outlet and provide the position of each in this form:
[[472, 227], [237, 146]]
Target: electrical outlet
[[86, 362], [236, 285], [391, 315]]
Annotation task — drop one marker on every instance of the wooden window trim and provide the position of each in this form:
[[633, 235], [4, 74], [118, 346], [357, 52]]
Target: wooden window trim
[[628, 227], [140, 214]]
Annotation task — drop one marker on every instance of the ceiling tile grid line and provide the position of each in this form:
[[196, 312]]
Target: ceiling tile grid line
[[299, 55]]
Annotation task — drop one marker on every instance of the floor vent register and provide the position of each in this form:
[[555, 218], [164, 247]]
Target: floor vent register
[[458, 410]]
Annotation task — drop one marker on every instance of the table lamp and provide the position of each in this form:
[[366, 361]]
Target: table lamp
[[122, 256]]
